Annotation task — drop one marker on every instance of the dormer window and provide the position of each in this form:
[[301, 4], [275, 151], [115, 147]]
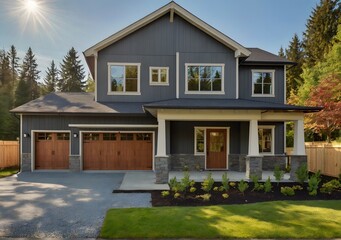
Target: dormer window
[[263, 83], [124, 78]]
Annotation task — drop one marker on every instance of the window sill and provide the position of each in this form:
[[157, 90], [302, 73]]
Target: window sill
[[262, 95], [199, 154], [204, 93], [158, 84], [124, 93]]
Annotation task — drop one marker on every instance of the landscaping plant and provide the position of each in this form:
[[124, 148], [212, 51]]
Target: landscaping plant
[[302, 173], [192, 189], [287, 191], [205, 197], [267, 185], [256, 185], [207, 184], [278, 174], [313, 183], [242, 186], [185, 181], [330, 186], [165, 193], [225, 195], [225, 182]]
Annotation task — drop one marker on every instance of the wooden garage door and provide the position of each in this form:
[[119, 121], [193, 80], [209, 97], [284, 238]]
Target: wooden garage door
[[52, 150], [117, 151]]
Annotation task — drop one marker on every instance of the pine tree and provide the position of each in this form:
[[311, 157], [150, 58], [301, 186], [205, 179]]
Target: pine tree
[[51, 79], [5, 69], [71, 73], [294, 53], [14, 59], [28, 88], [321, 28], [281, 52]]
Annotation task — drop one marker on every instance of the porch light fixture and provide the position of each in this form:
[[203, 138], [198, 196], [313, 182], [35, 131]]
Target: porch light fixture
[[26, 135], [75, 135]]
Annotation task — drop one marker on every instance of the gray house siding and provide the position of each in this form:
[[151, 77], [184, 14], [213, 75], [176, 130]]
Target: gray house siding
[[245, 83], [156, 45]]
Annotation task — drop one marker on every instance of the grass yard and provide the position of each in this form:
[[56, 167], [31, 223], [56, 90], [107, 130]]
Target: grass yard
[[282, 219], [8, 171]]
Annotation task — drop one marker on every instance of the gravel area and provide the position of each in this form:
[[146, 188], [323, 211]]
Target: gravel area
[[61, 205]]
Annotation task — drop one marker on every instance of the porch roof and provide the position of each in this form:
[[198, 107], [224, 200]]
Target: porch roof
[[233, 104]]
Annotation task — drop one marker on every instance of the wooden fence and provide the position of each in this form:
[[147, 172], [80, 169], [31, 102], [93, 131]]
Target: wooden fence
[[323, 157], [9, 154]]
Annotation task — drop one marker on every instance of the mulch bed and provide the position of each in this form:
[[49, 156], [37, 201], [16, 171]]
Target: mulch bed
[[236, 197]]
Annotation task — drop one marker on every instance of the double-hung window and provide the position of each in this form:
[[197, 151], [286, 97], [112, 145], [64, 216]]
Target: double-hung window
[[124, 78], [205, 78], [158, 76], [263, 83], [266, 139]]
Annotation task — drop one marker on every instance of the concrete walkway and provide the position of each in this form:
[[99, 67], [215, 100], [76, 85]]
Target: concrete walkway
[[141, 180]]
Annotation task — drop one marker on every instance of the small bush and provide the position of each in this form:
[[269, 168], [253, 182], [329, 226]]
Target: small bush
[[192, 189], [165, 193], [185, 181], [267, 185], [207, 184], [216, 189], [177, 195], [232, 184], [256, 185], [313, 184], [297, 188], [302, 173], [205, 197], [278, 174], [287, 191], [221, 189], [242, 186], [225, 182], [330, 186], [192, 183], [172, 182], [225, 195]]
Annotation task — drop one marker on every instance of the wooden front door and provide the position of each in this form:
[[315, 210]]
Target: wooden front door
[[52, 150], [216, 149]]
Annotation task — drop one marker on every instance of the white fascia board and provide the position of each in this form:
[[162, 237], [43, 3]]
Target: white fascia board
[[112, 126], [160, 12]]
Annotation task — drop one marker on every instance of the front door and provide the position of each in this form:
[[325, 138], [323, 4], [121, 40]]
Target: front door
[[216, 149]]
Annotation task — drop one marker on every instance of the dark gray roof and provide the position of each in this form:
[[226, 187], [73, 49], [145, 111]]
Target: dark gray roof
[[261, 56], [186, 103], [77, 103]]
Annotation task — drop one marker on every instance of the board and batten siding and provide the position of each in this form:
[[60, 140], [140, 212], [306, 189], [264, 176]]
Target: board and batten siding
[[60, 123], [156, 45]]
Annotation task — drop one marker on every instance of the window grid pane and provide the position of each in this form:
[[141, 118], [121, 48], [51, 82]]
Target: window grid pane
[[204, 78], [262, 83], [200, 140], [124, 78]]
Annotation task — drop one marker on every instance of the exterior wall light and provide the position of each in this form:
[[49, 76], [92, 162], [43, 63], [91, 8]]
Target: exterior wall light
[[26, 135], [75, 135]]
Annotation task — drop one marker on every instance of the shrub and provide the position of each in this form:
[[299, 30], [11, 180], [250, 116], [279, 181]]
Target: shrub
[[205, 197], [242, 186], [216, 189], [225, 195], [225, 182], [297, 187], [185, 181], [330, 186], [192, 183], [165, 193], [302, 173], [287, 191], [313, 184], [232, 184], [207, 184], [278, 174], [177, 195], [267, 185], [221, 189], [256, 185], [172, 182], [192, 189]]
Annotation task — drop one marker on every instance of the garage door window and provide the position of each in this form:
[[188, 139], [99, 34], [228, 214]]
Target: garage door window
[[44, 136], [143, 137], [91, 136], [109, 136], [63, 136], [127, 136]]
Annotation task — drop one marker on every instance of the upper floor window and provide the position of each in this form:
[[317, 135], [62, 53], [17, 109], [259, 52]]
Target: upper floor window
[[263, 83], [158, 76], [266, 139], [205, 78], [124, 78]]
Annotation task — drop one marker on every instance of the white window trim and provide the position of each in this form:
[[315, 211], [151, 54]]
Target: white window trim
[[272, 82], [110, 64], [195, 142], [209, 65], [272, 127], [159, 83]]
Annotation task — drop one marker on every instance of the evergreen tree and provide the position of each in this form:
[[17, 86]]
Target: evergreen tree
[[71, 73], [5, 69], [90, 84], [28, 88], [321, 28], [281, 52], [14, 59], [294, 53], [51, 79]]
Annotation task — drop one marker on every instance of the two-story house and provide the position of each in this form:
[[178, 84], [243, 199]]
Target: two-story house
[[172, 92]]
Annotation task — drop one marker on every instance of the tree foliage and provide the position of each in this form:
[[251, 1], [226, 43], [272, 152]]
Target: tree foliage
[[51, 79], [90, 84], [71, 73]]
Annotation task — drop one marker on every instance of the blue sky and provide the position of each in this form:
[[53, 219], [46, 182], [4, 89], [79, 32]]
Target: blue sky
[[62, 24]]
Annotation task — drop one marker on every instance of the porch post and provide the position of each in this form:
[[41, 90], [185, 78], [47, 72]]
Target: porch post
[[161, 159], [299, 156], [253, 160]]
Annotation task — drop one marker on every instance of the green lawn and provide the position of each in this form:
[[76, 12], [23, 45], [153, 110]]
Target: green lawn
[[283, 219], [8, 171]]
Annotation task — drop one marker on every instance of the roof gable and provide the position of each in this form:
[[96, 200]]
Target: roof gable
[[171, 8]]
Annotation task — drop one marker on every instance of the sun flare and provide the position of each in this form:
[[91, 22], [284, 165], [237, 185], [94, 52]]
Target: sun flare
[[31, 6]]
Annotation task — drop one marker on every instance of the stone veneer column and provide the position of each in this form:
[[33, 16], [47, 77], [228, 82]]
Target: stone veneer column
[[295, 163], [26, 162], [161, 169], [253, 166], [75, 163]]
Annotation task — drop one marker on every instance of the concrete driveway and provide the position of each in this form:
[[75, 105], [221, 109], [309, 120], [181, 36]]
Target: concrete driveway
[[61, 205]]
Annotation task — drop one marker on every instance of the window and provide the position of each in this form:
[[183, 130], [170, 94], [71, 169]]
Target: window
[[143, 136], [127, 136], [266, 139], [158, 76], [109, 136], [205, 78], [63, 136], [44, 136], [263, 83], [199, 141], [124, 78], [91, 136]]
